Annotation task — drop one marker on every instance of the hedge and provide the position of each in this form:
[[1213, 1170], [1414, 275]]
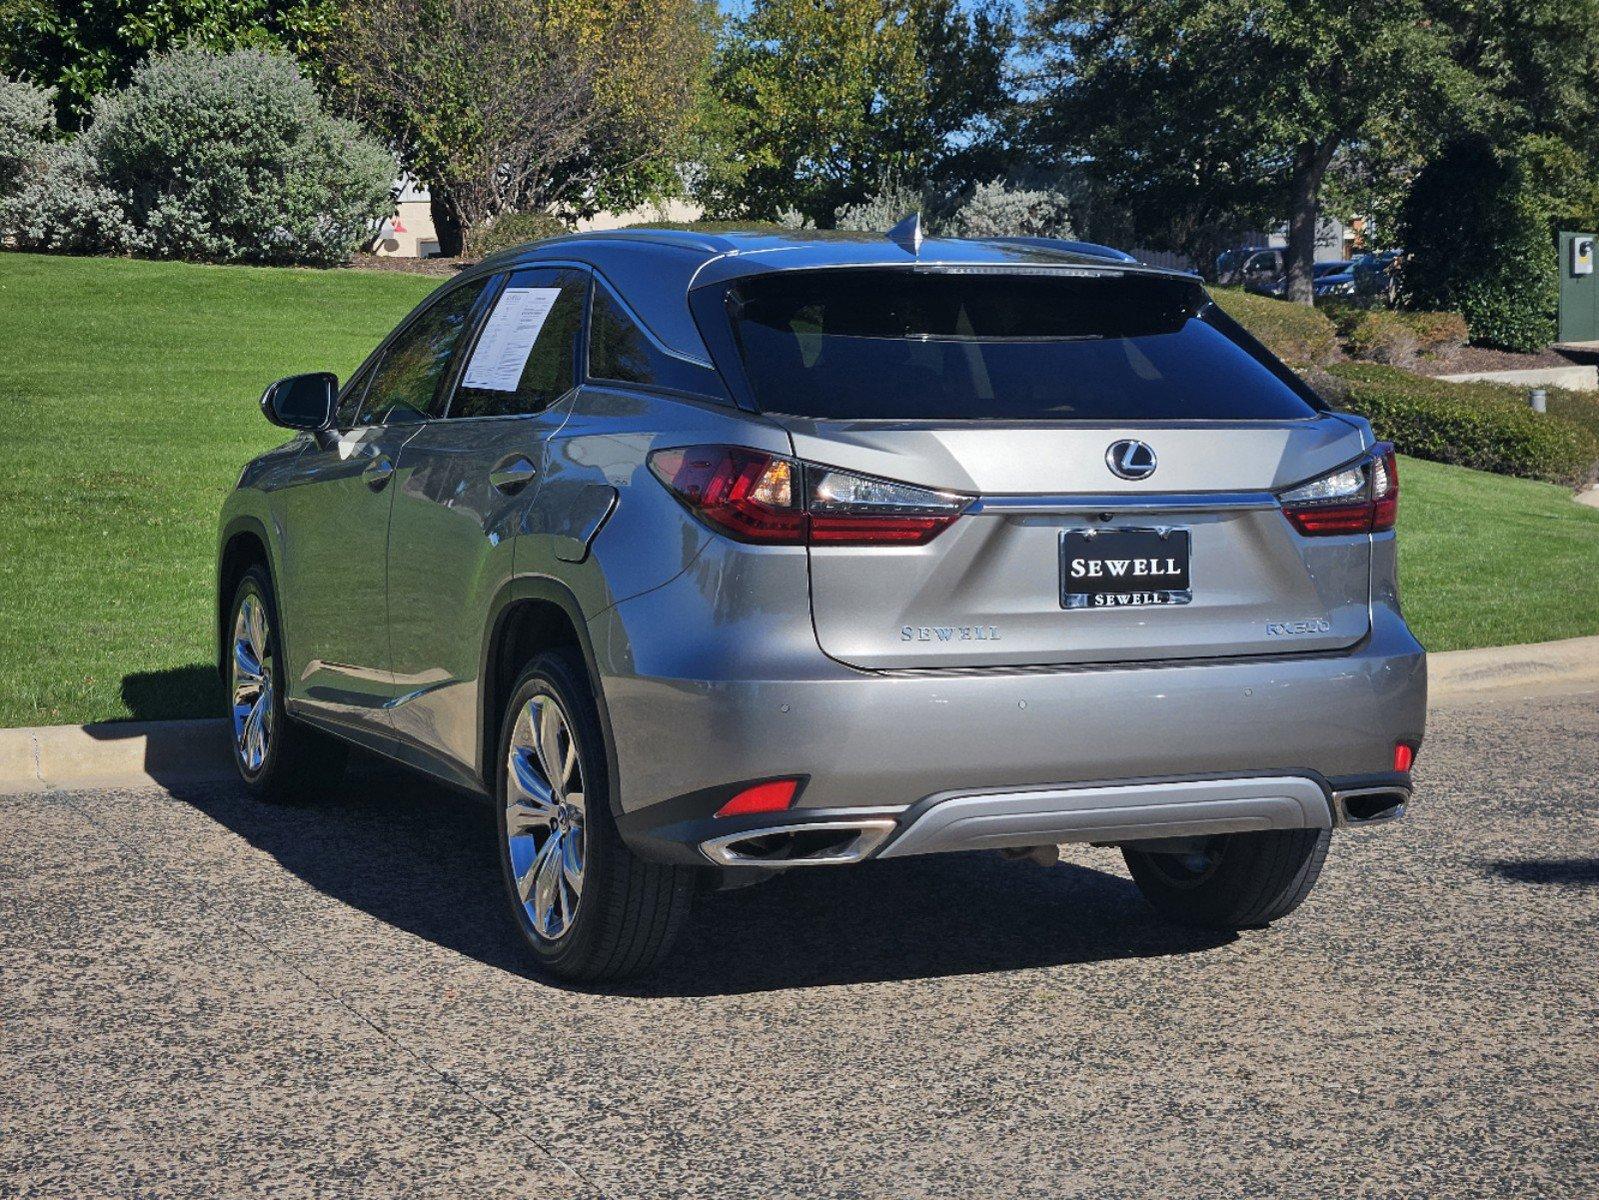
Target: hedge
[[1481, 425], [1295, 333], [510, 230]]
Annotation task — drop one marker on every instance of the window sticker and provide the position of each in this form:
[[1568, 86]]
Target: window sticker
[[508, 337]]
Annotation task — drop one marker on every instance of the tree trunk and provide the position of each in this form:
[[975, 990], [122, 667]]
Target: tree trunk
[[446, 225], [1304, 194]]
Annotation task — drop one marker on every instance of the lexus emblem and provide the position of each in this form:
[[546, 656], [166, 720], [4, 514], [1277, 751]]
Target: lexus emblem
[[1130, 459]]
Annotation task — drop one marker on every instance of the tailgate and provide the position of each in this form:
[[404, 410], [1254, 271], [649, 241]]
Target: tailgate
[[995, 590]]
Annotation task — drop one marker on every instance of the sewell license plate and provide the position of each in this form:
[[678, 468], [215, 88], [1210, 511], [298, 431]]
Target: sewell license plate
[[1124, 568]]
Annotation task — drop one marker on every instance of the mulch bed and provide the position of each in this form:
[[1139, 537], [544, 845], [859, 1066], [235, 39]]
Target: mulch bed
[[411, 266]]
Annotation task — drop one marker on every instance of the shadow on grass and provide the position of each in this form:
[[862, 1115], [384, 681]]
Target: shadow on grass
[[1557, 872], [425, 861], [175, 693]]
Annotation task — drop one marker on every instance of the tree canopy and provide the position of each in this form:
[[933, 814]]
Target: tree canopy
[[82, 50], [504, 105], [823, 104], [1201, 113]]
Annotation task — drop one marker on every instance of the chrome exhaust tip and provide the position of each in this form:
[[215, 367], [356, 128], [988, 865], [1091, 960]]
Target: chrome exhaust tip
[[1370, 806], [812, 844]]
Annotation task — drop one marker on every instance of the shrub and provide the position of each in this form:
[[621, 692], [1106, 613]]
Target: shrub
[[61, 206], [232, 157], [997, 210], [512, 229], [27, 121], [1295, 333], [1477, 243], [1437, 332], [1383, 336], [1485, 426], [879, 213]]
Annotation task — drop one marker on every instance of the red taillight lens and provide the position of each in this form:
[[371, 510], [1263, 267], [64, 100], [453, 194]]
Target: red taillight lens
[[747, 494], [772, 796], [758, 497], [1404, 756], [1361, 498]]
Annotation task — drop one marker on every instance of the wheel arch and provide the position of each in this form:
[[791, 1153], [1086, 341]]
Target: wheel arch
[[243, 544], [529, 615]]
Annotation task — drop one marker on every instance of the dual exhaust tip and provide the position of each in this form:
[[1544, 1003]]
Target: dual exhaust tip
[[1369, 806]]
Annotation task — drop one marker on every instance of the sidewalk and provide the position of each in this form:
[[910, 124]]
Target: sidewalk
[[136, 753]]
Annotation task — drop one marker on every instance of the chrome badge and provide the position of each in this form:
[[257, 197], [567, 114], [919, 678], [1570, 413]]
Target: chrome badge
[[1130, 459]]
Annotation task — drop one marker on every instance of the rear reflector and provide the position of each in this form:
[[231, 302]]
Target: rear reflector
[[1404, 756], [753, 496], [773, 796]]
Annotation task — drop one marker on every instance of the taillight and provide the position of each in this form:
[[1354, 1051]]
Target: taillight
[[754, 496], [1360, 498]]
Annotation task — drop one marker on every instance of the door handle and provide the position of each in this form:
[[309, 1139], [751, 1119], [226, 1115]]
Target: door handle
[[512, 475], [377, 472]]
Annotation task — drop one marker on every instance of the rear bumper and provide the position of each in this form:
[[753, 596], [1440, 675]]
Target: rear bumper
[[997, 820], [896, 746]]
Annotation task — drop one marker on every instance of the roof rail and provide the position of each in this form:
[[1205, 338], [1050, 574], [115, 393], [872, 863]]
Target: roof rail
[[1092, 249]]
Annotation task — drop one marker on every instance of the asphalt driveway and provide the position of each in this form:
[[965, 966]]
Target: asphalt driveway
[[200, 996]]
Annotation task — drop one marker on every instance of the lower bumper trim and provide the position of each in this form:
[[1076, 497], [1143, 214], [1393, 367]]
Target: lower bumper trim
[[990, 820]]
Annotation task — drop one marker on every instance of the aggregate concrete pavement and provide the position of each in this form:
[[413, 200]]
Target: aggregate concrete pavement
[[200, 996]]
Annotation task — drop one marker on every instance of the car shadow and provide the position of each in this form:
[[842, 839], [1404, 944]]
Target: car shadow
[[174, 693], [1557, 872], [423, 859]]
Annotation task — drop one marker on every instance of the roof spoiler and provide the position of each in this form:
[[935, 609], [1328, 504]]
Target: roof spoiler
[[1092, 249]]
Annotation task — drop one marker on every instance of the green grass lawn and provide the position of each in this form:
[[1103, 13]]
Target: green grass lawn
[[1486, 560], [128, 400], [128, 396]]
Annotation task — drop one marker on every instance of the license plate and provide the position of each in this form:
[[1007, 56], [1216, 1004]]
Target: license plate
[[1124, 568]]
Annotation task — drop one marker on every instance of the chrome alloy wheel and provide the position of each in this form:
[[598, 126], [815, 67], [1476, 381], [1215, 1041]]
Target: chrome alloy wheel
[[252, 683], [544, 816]]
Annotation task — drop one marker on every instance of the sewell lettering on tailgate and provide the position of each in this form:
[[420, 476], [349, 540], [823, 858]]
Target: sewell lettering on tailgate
[[948, 633]]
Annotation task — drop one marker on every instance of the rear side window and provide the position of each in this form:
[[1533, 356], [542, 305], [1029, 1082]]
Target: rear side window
[[895, 344], [621, 352], [525, 358]]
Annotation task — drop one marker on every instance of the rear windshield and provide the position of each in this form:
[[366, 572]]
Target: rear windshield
[[897, 344]]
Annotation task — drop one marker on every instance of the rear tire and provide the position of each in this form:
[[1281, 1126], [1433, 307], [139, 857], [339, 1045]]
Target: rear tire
[[586, 906], [1236, 881], [279, 760]]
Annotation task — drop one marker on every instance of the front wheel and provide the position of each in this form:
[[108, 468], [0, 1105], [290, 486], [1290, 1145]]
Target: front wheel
[[1233, 880], [586, 906], [278, 759]]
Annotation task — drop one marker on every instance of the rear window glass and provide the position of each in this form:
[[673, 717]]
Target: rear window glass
[[918, 345]]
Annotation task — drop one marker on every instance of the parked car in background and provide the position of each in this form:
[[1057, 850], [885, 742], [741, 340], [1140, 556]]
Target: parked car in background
[[1257, 267], [1334, 278], [1376, 275], [707, 557], [1326, 279]]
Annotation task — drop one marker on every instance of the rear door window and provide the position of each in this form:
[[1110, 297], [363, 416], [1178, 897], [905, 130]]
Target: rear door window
[[525, 357], [895, 344]]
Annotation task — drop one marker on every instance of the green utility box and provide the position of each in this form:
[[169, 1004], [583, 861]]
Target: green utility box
[[1579, 288]]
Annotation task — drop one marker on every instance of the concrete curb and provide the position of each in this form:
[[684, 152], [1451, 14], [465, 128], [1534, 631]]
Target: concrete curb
[[133, 753], [113, 754]]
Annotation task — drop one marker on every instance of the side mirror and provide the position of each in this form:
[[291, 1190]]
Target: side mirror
[[302, 401]]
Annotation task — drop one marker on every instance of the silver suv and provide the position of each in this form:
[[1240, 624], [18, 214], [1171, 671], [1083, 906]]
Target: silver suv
[[706, 557]]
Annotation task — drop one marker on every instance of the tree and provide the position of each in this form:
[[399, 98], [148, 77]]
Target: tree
[[1479, 243], [1202, 112], [504, 105], [825, 104], [84, 49]]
